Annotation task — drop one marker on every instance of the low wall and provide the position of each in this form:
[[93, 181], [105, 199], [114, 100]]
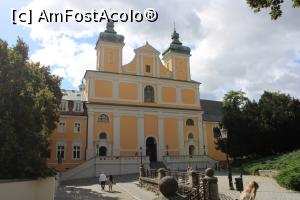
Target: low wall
[[40, 189], [109, 165], [268, 173]]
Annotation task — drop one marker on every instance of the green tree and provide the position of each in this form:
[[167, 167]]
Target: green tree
[[233, 121], [29, 101], [274, 5], [279, 118]]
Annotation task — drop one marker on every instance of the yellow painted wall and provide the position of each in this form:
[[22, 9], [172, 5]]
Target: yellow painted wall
[[181, 68], [68, 137], [103, 127], [150, 126], [111, 59], [168, 94], [128, 132], [170, 133], [191, 129], [188, 96], [212, 152], [128, 90], [103, 88], [148, 60]]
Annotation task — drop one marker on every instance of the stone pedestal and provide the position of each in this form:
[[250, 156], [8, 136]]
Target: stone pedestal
[[212, 184]]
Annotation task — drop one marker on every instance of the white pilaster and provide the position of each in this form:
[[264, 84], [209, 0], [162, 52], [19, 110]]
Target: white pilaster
[[159, 94], [180, 135], [141, 137], [92, 88], [157, 67], [188, 70], [161, 142], [120, 61], [101, 67], [116, 136], [90, 147], [174, 67], [201, 135]]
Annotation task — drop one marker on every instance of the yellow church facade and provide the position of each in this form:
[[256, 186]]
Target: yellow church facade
[[148, 107]]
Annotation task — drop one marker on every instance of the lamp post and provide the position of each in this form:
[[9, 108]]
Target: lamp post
[[224, 134], [141, 155]]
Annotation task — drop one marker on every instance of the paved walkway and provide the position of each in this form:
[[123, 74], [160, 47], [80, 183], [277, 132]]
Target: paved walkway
[[89, 189], [127, 189], [268, 188]]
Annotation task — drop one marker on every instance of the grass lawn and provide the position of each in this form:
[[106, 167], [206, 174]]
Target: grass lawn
[[288, 166]]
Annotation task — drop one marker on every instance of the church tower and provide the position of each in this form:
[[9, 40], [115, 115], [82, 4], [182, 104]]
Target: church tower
[[109, 50], [177, 59]]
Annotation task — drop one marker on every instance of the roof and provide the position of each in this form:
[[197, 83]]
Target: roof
[[73, 95], [212, 110]]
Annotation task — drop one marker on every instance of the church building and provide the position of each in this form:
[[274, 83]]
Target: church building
[[148, 110]]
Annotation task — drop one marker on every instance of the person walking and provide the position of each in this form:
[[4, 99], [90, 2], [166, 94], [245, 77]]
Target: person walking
[[110, 183], [250, 191], [102, 180]]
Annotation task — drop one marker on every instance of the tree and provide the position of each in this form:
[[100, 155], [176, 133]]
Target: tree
[[275, 6], [267, 127], [234, 122], [279, 118], [29, 102]]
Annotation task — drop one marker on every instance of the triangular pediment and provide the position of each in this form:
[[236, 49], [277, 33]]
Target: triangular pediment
[[147, 48]]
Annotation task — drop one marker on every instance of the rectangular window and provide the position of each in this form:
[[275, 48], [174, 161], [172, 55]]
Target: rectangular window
[[77, 107], [61, 127], [76, 127], [148, 69], [60, 152], [63, 106], [76, 152]]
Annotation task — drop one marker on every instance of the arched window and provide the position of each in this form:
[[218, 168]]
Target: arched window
[[102, 136], [190, 122], [103, 118], [149, 94], [190, 136]]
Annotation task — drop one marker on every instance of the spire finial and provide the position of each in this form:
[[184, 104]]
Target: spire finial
[[110, 26]]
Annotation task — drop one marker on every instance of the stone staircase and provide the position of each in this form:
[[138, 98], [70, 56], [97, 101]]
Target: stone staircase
[[157, 165]]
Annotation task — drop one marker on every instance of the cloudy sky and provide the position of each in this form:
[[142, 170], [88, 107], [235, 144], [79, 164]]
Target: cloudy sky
[[232, 47]]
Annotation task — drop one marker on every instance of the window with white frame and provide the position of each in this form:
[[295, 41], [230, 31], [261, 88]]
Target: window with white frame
[[60, 152], [61, 127], [76, 151], [63, 106], [76, 127], [78, 106]]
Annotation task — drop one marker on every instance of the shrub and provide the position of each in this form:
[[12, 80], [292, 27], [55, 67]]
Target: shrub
[[289, 178]]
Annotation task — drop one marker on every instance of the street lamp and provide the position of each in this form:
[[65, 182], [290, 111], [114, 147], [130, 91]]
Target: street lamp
[[141, 155], [224, 134]]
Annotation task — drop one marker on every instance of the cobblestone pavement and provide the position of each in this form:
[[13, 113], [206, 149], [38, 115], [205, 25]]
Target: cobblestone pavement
[[89, 189], [268, 188]]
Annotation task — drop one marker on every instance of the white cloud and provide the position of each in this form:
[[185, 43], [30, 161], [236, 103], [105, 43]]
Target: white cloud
[[233, 47]]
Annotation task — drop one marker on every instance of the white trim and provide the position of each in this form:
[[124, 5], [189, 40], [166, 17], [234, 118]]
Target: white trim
[[76, 130], [116, 133], [180, 135], [90, 147], [140, 118], [76, 143], [161, 142]]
